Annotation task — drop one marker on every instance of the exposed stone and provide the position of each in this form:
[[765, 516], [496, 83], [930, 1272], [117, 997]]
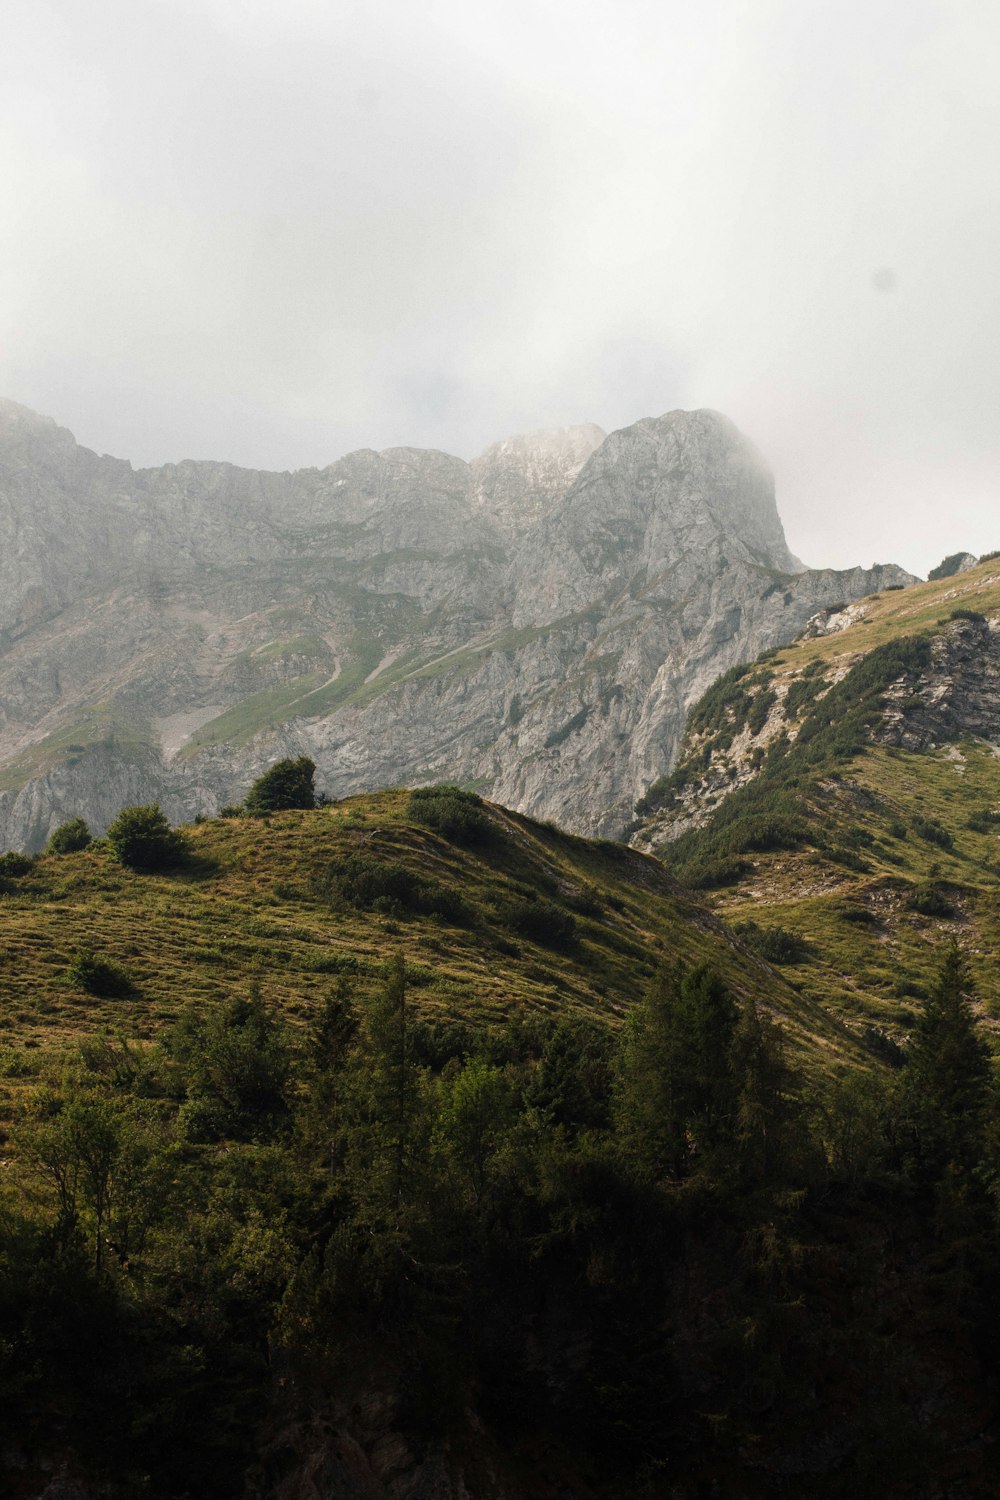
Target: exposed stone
[[534, 624]]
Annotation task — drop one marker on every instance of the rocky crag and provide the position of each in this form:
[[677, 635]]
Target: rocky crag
[[534, 624]]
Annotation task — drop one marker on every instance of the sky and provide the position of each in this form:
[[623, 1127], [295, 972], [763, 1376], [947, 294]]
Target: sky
[[274, 231]]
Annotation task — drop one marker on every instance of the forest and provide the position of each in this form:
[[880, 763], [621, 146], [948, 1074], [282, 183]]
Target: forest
[[664, 1257]]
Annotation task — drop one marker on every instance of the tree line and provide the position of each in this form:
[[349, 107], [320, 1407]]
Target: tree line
[[665, 1252]]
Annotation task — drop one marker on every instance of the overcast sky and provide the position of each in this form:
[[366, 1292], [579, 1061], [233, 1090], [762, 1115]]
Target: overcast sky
[[272, 231]]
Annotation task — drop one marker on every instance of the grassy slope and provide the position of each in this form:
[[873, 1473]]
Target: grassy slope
[[874, 971], [247, 913]]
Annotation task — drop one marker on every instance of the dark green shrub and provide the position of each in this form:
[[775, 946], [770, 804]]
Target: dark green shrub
[[968, 614], [930, 901], [69, 838], [287, 785], [983, 821], [535, 918], [713, 873], [879, 1043], [933, 831], [98, 976], [388, 887], [947, 568], [858, 914], [14, 864], [989, 557], [453, 813], [775, 944], [142, 839], [231, 810]]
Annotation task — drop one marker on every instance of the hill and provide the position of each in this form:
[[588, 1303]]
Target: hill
[[532, 624], [839, 800], [514, 917]]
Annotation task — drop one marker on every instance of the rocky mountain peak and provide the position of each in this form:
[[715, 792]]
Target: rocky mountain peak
[[519, 479], [534, 623]]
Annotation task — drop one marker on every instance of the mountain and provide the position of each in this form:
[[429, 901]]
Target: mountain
[[838, 801], [534, 623]]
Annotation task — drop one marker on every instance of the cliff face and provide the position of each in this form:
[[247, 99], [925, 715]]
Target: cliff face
[[534, 623]]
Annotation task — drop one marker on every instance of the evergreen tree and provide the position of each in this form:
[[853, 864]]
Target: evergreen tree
[[946, 1078], [676, 1093], [383, 1146]]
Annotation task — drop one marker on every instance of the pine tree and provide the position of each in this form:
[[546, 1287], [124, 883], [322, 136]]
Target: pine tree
[[946, 1078], [675, 1096]]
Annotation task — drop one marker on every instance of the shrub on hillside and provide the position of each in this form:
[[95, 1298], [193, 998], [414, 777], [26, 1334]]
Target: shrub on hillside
[[288, 784], [933, 831], [453, 813], [775, 944], [14, 864], [69, 838], [535, 918], [142, 839], [710, 874], [930, 901], [388, 887], [98, 976], [948, 567], [983, 821]]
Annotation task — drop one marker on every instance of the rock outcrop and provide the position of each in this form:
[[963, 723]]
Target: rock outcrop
[[534, 623]]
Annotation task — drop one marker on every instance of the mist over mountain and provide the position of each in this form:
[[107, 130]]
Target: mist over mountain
[[533, 624]]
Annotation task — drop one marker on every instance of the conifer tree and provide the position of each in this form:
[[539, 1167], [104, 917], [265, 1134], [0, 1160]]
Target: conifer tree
[[946, 1077]]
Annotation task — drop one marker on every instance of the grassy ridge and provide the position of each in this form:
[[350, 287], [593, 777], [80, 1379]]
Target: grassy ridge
[[257, 908], [868, 856]]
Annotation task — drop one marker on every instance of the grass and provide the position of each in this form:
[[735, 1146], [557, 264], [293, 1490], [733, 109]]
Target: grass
[[254, 909], [873, 856]]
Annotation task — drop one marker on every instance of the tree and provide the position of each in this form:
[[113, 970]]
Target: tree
[[476, 1112], [237, 1069], [288, 784], [69, 838], [142, 839], [385, 1142], [946, 1078], [99, 1155], [676, 1090]]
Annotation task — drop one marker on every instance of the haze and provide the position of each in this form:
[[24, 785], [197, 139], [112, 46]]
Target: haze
[[273, 233]]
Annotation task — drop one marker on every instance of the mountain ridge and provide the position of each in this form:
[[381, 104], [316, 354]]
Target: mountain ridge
[[533, 624]]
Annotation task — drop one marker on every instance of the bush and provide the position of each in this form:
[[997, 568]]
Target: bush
[[69, 838], [948, 568], [984, 821], [453, 813], [14, 864], [288, 784], [142, 839], [933, 831], [535, 918], [388, 887], [98, 976], [929, 901], [968, 614], [775, 944], [713, 873]]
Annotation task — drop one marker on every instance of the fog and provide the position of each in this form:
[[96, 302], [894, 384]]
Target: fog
[[272, 233]]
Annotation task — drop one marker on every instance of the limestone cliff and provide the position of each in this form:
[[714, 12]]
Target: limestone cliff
[[535, 623]]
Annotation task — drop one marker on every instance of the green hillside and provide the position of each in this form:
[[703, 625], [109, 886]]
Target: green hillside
[[526, 918], [833, 805]]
